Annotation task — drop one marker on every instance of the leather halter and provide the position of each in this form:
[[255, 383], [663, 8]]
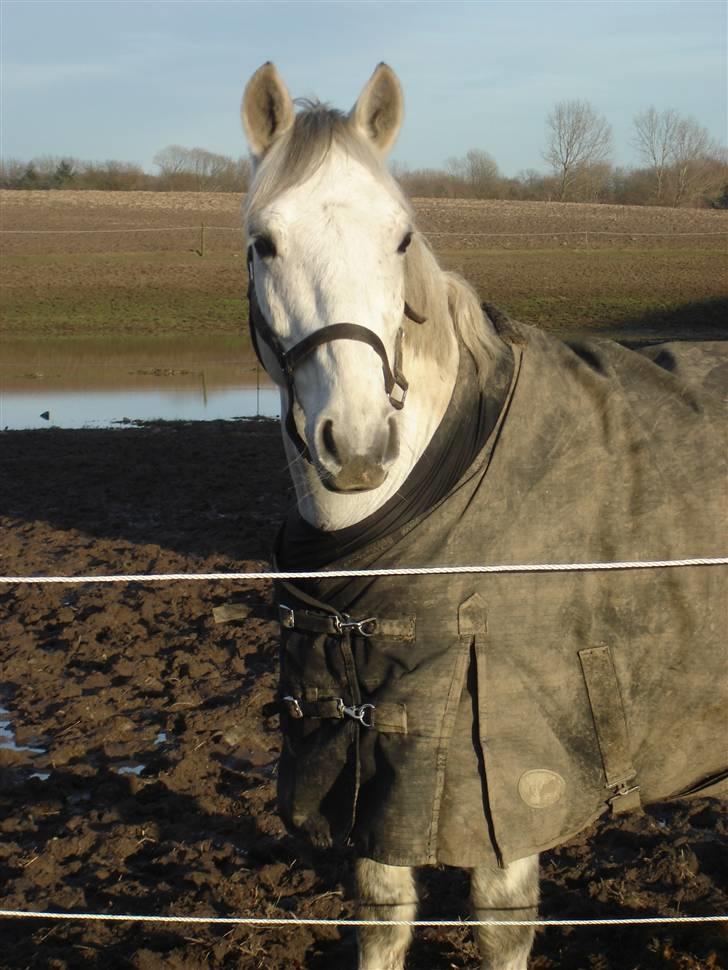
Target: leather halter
[[395, 383]]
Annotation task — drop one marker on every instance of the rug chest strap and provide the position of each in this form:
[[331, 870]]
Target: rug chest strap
[[386, 718], [310, 621], [611, 727]]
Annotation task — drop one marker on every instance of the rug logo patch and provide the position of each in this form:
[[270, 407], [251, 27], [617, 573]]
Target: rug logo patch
[[540, 788]]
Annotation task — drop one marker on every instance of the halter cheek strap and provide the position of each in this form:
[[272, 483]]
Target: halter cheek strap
[[395, 383]]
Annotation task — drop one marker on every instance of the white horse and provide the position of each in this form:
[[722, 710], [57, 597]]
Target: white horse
[[404, 403], [329, 229]]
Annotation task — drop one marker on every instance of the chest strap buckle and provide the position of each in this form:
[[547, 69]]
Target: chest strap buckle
[[359, 713], [364, 628]]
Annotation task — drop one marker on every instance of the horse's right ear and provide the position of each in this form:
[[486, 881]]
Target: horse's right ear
[[267, 109]]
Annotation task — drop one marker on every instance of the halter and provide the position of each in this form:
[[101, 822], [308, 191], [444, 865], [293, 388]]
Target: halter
[[395, 383]]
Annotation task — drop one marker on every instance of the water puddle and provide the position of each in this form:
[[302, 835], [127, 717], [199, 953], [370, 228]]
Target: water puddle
[[131, 770], [7, 736], [104, 409], [78, 382]]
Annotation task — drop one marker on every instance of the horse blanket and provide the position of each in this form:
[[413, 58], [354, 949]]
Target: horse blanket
[[475, 719]]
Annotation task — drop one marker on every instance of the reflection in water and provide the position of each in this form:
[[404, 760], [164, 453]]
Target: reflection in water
[[102, 409], [100, 382]]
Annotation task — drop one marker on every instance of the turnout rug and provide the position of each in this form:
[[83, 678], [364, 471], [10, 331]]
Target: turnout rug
[[475, 719]]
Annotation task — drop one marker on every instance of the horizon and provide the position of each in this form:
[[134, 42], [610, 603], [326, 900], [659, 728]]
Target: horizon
[[76, 85]]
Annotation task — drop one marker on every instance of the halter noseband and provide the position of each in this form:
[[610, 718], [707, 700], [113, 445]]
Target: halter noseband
[[395, 383]]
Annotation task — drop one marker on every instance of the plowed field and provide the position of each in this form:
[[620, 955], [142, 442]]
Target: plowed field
[[129, 262]]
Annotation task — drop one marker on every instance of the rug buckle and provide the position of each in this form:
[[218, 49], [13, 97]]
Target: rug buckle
[[358, 712], [364, 628]]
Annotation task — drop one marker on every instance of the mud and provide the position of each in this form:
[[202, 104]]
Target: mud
[[137, 773]]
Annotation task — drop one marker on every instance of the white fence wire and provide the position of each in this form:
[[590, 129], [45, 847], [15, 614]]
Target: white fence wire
[[354, 573], [554, 232], [304, 921], [402, 571]]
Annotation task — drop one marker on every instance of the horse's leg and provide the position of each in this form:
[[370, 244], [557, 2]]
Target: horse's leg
[[510, 893], [385, 892]]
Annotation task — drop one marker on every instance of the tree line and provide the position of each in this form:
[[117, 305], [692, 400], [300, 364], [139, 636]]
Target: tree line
[[681, 165], [179, 169]]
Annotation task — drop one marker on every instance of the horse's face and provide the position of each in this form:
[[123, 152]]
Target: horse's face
[[326, 251], [331, 251]]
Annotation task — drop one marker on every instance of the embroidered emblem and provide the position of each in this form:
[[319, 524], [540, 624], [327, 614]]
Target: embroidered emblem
[[540, 788]]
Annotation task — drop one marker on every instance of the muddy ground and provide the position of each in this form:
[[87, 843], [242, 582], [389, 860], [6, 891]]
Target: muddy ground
[[141, 778]]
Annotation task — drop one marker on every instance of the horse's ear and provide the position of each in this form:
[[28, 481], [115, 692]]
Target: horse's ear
[[379, 111], [267, 109]]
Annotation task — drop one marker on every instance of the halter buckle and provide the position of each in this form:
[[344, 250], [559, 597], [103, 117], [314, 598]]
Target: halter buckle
[[398, 402]]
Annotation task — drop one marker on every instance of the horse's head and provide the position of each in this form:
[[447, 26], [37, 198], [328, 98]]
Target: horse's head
[[328, 230]]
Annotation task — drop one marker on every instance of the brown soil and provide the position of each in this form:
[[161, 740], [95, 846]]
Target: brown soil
[[134, 267], [450, 223], [107, 679]]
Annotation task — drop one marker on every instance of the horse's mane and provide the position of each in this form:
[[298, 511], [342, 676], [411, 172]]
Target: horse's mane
[[442, 297]]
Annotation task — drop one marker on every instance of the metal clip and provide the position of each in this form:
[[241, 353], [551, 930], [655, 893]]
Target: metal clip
[[286, 616], [295, 710], [365, 628], [358, 713], [626, 798]]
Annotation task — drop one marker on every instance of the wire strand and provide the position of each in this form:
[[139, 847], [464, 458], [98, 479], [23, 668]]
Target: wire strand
[[354, 573], [305, 921]]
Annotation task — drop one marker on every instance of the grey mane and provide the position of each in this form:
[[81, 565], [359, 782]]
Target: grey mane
[[444, 298]]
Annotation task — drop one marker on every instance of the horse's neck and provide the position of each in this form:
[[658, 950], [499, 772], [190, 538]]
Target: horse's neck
[[431, 384]]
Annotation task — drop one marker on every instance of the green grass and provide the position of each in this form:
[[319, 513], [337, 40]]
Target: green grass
[[158, 293], [122, 293]]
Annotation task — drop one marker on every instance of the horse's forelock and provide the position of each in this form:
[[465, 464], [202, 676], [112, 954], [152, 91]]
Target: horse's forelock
[[301, 151]]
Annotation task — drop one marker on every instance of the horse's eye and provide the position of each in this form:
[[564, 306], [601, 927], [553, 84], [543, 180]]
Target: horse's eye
[[402, 248], [265, 247]]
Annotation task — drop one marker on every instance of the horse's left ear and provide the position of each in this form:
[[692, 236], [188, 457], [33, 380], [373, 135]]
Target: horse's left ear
[[379, 111]]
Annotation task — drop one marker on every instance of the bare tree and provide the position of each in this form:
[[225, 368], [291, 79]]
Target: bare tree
[[655, 133], [683, 158], [479, 171], [196, 169], [578, 137], [172, 164], [693, 155]]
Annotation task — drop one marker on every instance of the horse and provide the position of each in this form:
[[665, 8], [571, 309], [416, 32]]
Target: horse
[[469, 720]]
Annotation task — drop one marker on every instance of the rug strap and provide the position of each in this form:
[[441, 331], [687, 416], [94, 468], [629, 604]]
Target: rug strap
[[611, 727]]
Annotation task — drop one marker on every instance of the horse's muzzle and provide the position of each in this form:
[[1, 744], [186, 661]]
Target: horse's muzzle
[[358, 475], [344, 469]]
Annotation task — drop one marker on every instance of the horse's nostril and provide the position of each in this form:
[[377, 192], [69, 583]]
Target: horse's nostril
[[327, 437]]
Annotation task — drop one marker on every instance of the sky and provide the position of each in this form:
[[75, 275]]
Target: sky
[[116, 79]]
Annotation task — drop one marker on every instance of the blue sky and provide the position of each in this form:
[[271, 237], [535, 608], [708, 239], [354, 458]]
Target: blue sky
[[106, 79]]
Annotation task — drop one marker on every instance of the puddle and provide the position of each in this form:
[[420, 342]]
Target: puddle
[[7, 736], [131, 769], [102, 382], [107, 409], [161, 737]]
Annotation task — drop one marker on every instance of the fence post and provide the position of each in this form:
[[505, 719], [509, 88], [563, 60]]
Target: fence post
[[586, 239], [202, 239]]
